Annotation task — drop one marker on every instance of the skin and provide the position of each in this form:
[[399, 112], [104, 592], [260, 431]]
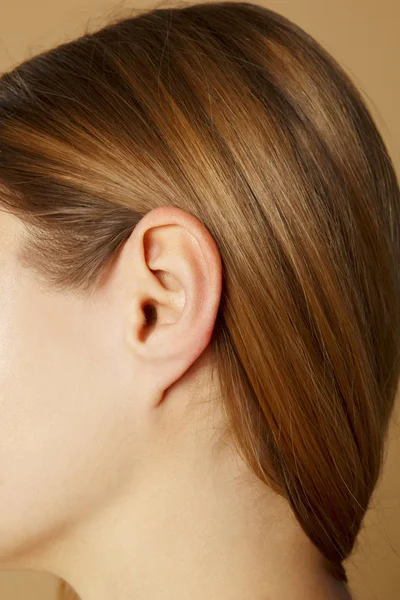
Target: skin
[[112, 474]]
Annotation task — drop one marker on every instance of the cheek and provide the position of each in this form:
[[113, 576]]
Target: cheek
[[63, 447]]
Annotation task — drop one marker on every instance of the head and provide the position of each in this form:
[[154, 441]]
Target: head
[[197, 209]]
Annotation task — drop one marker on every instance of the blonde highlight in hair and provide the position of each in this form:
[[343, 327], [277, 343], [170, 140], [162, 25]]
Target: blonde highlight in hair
[[235, 114]]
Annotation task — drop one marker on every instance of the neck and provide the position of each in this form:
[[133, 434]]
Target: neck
[[195, 533], [195, 524]]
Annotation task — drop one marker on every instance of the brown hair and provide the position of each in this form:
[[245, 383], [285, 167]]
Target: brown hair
[[235, 114]]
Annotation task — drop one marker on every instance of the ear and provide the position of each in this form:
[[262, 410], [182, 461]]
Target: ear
[[173, 271]]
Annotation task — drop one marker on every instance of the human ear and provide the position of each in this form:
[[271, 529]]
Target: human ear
[[175, 291]]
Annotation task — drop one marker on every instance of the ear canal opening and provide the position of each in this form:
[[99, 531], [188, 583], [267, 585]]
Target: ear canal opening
[[150, 318]]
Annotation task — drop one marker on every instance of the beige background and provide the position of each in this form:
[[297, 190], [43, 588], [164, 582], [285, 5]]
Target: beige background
[[363, 36]]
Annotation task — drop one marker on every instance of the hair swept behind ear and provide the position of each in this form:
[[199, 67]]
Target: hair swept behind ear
[[235, 114]]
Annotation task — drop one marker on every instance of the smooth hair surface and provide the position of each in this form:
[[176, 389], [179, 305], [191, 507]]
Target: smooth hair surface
[[233, 113]]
